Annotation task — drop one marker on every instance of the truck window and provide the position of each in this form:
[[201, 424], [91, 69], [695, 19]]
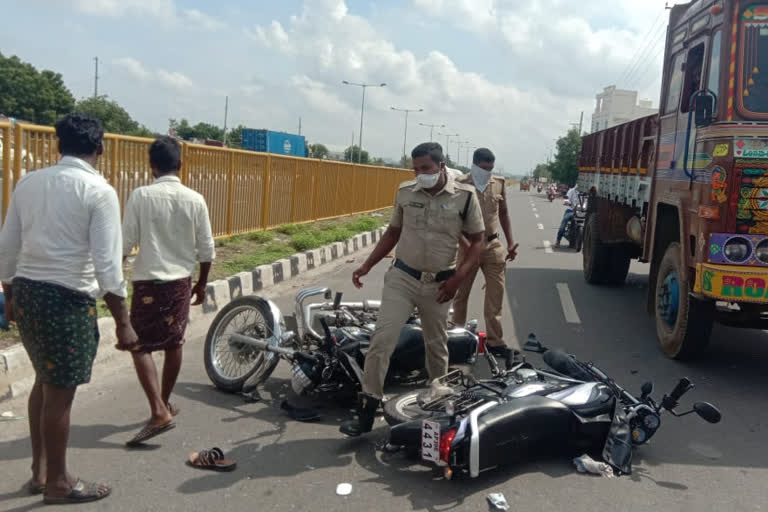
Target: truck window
[[675, 84], [713, 82], [694, 66], [754, 67]]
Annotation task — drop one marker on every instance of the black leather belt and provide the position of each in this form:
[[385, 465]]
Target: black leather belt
[[426, 277], [493, 237]]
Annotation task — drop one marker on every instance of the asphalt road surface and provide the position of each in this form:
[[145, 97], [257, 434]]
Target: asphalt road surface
[[286, 465]]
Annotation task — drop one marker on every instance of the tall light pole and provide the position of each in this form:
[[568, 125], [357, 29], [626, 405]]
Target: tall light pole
[[362, 111], [466, 144], [405, 135], [432, 127], [448, 141]]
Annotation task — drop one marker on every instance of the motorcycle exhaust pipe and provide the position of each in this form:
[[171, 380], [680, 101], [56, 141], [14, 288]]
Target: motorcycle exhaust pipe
[[263, 345]]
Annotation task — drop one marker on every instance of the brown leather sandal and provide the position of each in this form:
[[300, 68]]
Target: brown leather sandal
[[211, 459]]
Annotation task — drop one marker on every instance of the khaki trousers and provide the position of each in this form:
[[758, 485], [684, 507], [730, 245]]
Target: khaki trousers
[[493, 264], [402, 293]]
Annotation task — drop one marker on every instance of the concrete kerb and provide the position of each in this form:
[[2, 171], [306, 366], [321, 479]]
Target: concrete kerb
[[17, 375]]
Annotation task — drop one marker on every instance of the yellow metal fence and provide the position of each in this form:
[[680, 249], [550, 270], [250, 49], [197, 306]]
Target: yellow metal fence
[[245, 190]]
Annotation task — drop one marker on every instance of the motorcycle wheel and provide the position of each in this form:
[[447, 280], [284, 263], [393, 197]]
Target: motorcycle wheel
[[229, 365], [579, 238], [405, 407]]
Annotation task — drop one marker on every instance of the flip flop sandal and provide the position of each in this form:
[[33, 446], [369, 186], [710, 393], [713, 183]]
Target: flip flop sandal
[[34, 488], [149, 431], [81, 492], [173, 409], [211, 459]]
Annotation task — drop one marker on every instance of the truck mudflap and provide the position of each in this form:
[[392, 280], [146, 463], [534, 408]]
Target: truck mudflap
[[732, 283]]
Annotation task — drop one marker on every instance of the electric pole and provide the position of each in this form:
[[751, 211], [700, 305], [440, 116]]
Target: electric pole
[[96, 79], [226, 112]]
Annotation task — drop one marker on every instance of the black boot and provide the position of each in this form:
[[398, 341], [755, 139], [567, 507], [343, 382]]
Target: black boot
[[366, 413]]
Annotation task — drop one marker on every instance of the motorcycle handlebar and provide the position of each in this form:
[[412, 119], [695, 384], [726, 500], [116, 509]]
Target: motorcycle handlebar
[[682, 388]]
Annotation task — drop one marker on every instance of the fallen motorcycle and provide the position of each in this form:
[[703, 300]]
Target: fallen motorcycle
[[465, 425], [249, 336]]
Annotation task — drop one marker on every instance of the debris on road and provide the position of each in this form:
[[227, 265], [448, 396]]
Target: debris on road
[[344, 489], [498, 501], [586, 464], [9, 416]]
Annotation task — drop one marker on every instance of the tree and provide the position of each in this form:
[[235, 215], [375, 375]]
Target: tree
[[351, 154], [235, 137], [185, 131], [542, 171], [32, 95], [318, 151], [565, 168], [114, 117]]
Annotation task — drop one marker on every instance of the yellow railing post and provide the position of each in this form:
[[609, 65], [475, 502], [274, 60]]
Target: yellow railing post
[[18, 137], [230, 191], [294, 192], [114, 147], [6, 168], [185, 164], [266, 197]]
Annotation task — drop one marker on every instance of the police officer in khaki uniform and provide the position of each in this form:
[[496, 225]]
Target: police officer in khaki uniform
[[430, 215], [493, 260]]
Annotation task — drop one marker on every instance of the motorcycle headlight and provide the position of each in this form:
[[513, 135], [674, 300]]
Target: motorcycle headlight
[[737, 249], [761, 251], [300, 381]]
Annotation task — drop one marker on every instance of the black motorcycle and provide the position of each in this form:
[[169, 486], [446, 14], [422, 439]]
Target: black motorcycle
[[249, 336], [465, 425]]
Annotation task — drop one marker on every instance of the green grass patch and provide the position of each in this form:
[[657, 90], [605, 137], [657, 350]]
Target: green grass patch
[[260, 237], [292, 229]]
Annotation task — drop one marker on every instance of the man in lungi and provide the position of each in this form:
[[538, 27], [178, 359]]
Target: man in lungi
[[60, 250], [170, 225]]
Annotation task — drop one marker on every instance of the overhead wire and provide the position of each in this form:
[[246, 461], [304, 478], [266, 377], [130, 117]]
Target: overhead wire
[[636, 55]]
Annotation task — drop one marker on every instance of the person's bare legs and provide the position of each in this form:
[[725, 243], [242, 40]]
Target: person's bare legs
[[35, 414], [147, 373], [57, 405], [171, 369]]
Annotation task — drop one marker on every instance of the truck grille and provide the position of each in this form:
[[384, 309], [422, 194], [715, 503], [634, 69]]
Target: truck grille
[[752, 208]]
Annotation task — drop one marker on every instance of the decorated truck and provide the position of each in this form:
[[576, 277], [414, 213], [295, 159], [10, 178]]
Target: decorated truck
[[686, 190]]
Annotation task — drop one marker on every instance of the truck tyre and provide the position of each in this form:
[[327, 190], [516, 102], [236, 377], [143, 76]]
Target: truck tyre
[[618, 265], [595, 253], [683, 322]]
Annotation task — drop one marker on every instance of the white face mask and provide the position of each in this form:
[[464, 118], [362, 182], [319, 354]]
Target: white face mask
[[481, 177], [427, 181]]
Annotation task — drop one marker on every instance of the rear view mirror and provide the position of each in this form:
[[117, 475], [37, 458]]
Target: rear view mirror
[[705, 106], [647, 389], [534, 345], [707, 412]]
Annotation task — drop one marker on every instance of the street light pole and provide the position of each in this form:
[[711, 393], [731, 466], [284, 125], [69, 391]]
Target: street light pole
[[432, 127], [405, 135], [448, 141], [362, 113]]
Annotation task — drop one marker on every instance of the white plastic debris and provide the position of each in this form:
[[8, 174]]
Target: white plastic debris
[[498, 501], [344, 489], [586, 464]]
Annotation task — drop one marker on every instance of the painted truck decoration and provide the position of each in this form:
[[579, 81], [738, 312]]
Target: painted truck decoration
[[686, 190]]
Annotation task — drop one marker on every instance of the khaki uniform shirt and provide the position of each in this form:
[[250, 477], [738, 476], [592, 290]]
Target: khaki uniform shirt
[[490, 202], [432, 225]]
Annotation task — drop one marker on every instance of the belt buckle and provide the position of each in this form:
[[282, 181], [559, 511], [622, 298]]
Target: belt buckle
[[428, 277]]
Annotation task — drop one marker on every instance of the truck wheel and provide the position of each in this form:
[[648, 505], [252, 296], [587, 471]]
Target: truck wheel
[[683, 323], [618, 265], [595, 254]]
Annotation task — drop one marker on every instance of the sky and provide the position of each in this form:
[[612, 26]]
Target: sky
[[504, 74]]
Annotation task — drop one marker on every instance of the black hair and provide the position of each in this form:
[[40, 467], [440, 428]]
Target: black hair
[[165, 154], [433, 149], [79, 134], [483, 155]]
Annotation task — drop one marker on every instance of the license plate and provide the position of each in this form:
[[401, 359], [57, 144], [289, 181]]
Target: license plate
[[430, 441]]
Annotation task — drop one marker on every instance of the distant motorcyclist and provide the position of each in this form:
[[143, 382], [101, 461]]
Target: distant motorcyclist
[[571, 202]]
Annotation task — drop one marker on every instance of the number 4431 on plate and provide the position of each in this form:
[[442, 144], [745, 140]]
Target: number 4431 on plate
[[430, 441]]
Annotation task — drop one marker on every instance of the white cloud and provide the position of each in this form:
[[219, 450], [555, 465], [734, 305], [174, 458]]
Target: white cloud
[[164, 10], [172, 79]]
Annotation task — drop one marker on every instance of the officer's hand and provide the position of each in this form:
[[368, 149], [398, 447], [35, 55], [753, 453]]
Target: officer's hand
[[357, 274], [512, 252], [448, 289]]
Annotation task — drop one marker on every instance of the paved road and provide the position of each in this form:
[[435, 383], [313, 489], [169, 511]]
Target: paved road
[[285, 465]]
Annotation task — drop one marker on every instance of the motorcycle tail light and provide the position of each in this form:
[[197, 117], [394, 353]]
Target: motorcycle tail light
[[446, 438], [481, 336]]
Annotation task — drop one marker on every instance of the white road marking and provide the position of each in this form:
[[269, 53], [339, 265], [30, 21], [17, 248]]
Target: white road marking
[[536, 215], [566, 301], [540, 226], [548, 247]]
